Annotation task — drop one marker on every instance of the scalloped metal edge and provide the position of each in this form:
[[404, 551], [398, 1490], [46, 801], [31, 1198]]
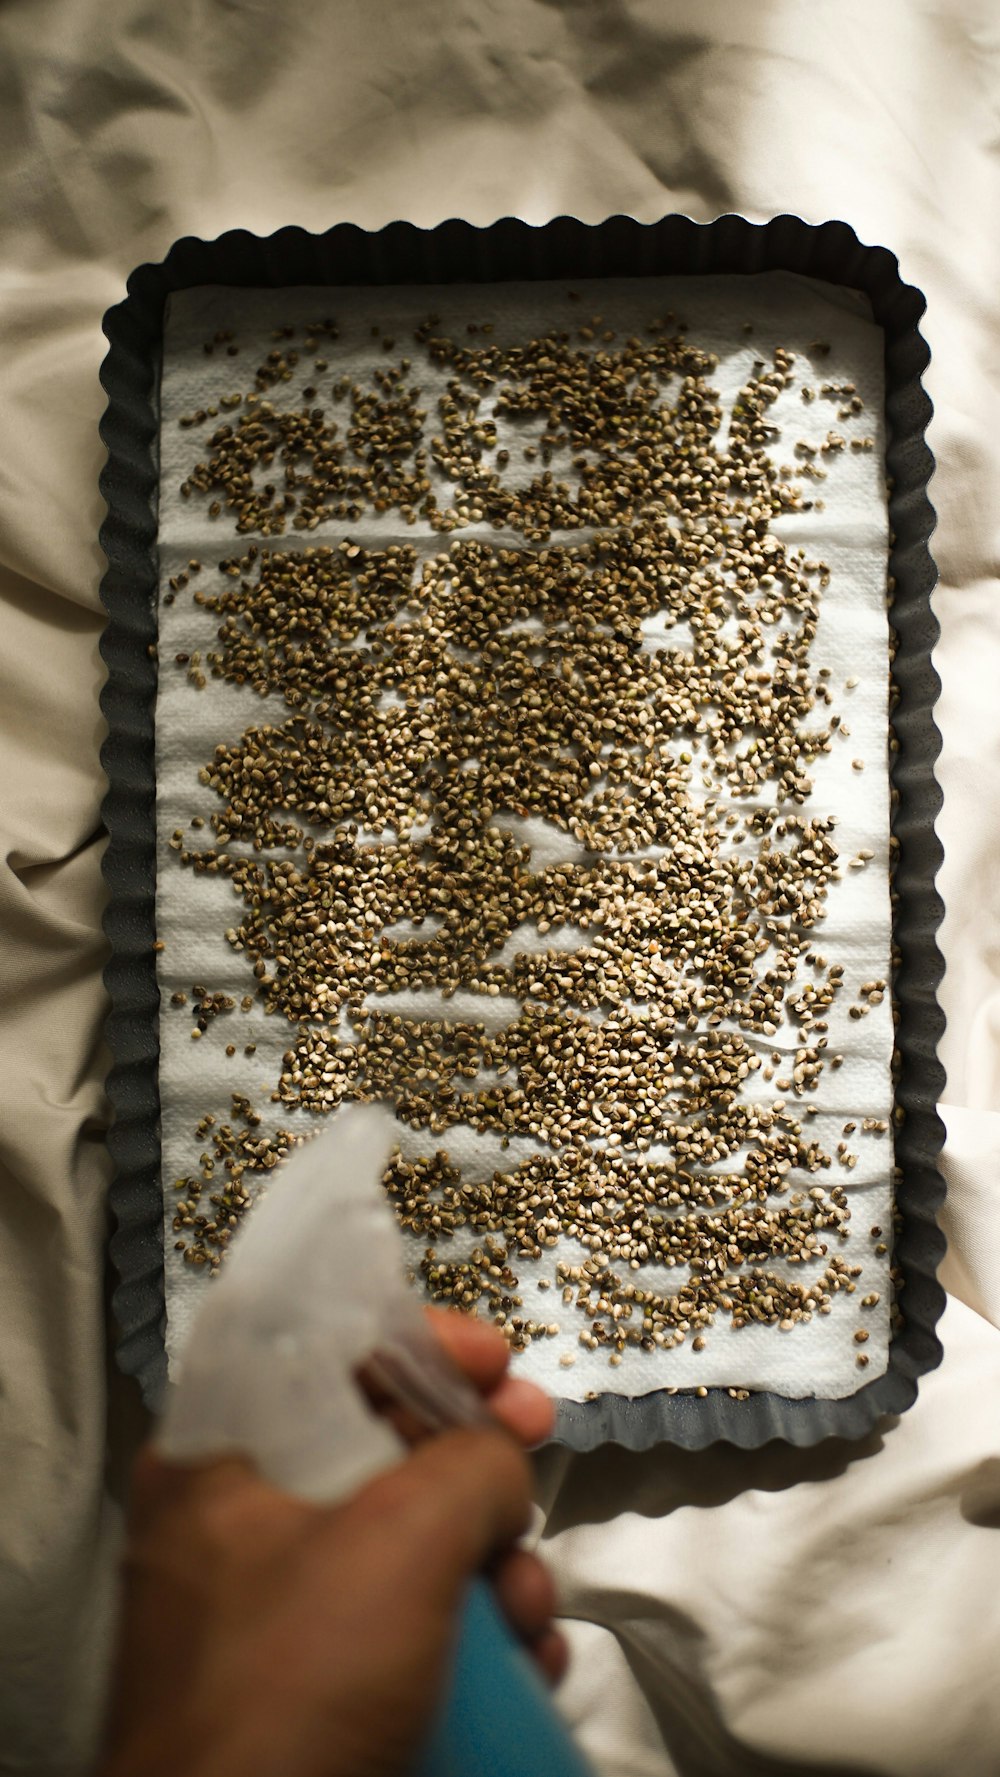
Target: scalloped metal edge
[[509, 248]]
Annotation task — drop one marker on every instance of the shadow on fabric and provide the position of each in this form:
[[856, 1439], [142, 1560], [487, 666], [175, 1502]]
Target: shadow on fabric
[[596, 1487]]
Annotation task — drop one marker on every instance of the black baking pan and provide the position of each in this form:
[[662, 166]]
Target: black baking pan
[[510, 249]]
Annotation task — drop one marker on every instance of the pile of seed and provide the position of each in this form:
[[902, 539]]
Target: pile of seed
[[439, 696]]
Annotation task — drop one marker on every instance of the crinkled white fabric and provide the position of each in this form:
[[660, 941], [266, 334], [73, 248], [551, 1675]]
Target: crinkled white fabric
[[779, 1612]]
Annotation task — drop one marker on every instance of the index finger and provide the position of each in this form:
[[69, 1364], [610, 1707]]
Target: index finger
[[479, 1350], [481, 1353]]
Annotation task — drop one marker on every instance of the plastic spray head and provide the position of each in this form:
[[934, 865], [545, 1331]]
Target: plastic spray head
[[313, 1295]]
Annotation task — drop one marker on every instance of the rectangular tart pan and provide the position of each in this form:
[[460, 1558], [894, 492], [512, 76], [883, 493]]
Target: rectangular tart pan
[[455, 252]]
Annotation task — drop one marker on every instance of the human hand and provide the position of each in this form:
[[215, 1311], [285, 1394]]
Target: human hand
[[267, 1637]]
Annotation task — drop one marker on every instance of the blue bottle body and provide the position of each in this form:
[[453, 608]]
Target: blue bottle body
[[498, 1719]]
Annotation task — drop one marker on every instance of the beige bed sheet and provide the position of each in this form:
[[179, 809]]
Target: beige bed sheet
[[830, 1612]]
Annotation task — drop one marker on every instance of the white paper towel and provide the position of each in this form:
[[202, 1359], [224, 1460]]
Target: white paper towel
[[740, 320]]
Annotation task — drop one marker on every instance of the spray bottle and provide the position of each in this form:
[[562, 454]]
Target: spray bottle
[[313, 1295]]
